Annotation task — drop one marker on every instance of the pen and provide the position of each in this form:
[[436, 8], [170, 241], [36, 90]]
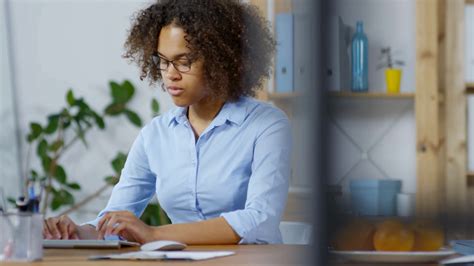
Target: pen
[[33, 201], [31, 189]]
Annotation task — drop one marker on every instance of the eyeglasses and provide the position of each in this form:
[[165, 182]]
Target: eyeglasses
[[182, 64]]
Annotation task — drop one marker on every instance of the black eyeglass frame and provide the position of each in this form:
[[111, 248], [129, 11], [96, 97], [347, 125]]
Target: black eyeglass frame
[[157, 59]]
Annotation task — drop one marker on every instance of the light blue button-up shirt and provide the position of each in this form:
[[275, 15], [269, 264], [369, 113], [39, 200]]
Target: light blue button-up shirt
[[238, 169]]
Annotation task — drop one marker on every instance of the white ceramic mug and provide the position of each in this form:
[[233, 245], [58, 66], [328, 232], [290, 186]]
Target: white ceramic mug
[[405, 204]]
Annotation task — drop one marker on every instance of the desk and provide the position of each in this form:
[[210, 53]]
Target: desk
[[245, 255]]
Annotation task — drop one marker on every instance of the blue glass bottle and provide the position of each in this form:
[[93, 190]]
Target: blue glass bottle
[[360, 60]]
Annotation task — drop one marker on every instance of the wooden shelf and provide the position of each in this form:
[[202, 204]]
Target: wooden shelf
[[470, 88], [372, 95], [283, 95], [470, 179]]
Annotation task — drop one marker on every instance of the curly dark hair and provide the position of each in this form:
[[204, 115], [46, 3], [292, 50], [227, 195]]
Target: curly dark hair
[[232, 37]]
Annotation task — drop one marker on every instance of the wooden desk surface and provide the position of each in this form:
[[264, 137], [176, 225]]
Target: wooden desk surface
[[245, 255]]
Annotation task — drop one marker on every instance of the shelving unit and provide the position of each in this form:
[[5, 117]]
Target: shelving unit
[[470, 88], [372, 95], [299, 200], [470, 175], [444, 185], [470, 179], [283, 96], [440, 103]]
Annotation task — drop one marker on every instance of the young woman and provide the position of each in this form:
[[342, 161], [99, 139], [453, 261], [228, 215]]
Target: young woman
[[219, 162]]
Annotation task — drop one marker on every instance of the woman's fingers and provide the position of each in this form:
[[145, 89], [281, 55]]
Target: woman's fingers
[[46, 233], [59, 228], [72, 232], [100, 226], [101, 222], [53, 228], [63, 230], [114, 219], [118, 229], [110, 220]]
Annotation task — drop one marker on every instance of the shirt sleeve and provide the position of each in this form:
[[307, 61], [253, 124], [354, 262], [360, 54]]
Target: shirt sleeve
[[267, 190], [136, 186]]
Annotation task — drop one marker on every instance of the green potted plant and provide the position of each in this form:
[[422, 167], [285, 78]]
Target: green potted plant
[[68, 126], [393, 75]]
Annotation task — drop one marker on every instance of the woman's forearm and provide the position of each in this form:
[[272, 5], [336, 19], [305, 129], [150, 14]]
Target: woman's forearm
[[213, 231]]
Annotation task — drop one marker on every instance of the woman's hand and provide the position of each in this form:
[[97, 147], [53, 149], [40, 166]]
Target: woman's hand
[[126, 225], [61, 227]]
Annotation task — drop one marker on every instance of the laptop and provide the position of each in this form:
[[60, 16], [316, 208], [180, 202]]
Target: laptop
[[89, 243]]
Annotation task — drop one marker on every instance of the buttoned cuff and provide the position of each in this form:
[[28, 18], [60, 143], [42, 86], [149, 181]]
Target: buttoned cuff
[[245, 224]]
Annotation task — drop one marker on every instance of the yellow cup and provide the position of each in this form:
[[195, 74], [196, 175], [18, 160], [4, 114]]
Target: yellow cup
[[393, 77]]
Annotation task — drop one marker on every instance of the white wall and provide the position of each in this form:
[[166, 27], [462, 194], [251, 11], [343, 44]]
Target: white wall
[[469, 63], [469, 42], [374, 138], [78, 44], [9, 165]]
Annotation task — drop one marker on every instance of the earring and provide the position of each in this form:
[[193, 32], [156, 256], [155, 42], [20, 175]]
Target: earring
[[163, 86]]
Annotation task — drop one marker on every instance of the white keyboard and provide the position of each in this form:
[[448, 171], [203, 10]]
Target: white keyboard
[[47, 243]]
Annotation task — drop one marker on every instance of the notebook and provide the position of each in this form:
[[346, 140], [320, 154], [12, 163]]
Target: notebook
[[47, 243], [165, 255], [465, 247]]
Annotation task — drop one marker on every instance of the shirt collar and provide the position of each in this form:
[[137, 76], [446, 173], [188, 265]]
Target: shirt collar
[[234, 112], [178, 115]]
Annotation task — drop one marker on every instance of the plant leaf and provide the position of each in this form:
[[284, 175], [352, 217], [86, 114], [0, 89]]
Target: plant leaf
[[85, 121], [65, 117], [121, 94], [30, 138], [53, 122], [129, 89], [67, 197], [133, 118], [56, 145], [99, 120], [60, 198], [51, 189], [151, 215], [114, 109], [42, 149], [11, 201], [35, 132], [83, 106], [70, 97], [80, 134], [118, 162], [60, 174], [33, 175], [56, 202], [74, 186], [154, 215], [111, 180], [155, 107], [46, 163]]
